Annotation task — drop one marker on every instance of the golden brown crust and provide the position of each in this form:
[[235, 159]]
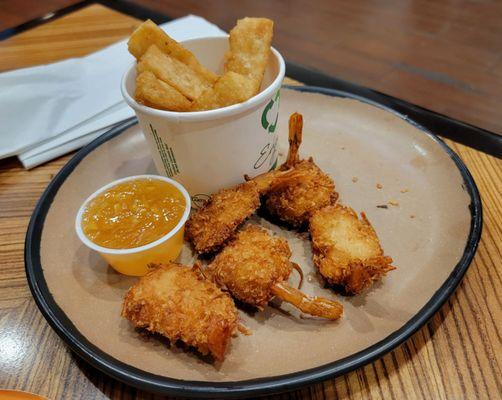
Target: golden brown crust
[[249, 49], [346, 249], [294, 201], [251, 264], [211, 226], [176, 302]]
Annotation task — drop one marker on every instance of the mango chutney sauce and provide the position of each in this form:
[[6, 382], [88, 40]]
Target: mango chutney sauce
[[133, 213]]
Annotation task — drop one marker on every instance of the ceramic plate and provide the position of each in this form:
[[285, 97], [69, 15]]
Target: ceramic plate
[[430, 227]]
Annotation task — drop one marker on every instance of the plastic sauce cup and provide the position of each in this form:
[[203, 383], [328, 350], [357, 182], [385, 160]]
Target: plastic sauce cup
[[209, 150], [134, 261]]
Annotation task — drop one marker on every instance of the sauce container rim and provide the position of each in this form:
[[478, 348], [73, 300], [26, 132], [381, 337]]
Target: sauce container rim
[[133, 250]]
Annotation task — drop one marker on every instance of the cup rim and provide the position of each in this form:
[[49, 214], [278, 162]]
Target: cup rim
[[133, 250], [208, 114]]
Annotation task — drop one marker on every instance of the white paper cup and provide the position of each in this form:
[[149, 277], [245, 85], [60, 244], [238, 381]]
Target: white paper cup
[[209, 150]]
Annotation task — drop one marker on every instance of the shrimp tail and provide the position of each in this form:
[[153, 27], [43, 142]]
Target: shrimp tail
[[317, 306], [295, 139]]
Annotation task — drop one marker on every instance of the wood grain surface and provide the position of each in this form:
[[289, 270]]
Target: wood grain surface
[[456, 355]]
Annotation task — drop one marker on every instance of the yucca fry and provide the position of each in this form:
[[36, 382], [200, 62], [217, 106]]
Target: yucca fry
[[173, 72], [231, 88], [148, 33], [153, 92], [249, 50]]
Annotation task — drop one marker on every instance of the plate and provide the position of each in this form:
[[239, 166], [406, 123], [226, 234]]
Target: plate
[[431, 227]]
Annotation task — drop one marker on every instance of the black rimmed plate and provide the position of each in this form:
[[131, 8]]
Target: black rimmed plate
[[431, 227]]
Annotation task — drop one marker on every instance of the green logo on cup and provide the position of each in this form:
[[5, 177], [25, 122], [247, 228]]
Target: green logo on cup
[[264, 117]]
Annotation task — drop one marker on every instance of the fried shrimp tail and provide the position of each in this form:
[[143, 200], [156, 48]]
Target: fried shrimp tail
[[346, 249], [177, 302], [295, 140], [269, 180], [316, 306], [254, 266]]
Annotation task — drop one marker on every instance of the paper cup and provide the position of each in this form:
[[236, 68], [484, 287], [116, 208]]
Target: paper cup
[[210, 150]]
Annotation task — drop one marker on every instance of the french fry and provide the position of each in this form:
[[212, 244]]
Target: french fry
[[148, 33], [249, 50], [231, 88], [153, 92], [173, 72]]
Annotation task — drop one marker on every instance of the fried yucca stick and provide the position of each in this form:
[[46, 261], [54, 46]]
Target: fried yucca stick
[[254, 267], [250, 41], [173, 72], [151, 91], [176, 302], [231, 88], [346, 249], [148, 33]]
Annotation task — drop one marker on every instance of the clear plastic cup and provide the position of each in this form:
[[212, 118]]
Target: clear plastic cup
[[134, 261], [209, 150]]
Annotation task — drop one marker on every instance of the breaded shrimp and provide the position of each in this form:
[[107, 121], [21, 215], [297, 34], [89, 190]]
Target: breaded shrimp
[[210, 227], [346, 249], [254, 267], [296, 196], [176, 302]]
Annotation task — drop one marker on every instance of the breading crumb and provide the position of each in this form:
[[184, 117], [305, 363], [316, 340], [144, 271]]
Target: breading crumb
[[379, 186], [355, 179], [412, 216], [393, 203], [404, 190]]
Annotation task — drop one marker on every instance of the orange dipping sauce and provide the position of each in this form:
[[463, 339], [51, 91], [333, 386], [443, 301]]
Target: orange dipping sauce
[[133, 213]]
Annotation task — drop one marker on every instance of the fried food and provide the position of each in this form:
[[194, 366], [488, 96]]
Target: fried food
[[309, 189], [254, 267], [151, 91], [172, 71], [178, 71], [176, 302], [211, 226], [148, 33], [251, 265], [346, 249], [231, 88], [250, 41]]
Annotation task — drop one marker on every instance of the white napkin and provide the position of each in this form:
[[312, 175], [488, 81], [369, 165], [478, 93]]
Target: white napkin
[[49, 110]]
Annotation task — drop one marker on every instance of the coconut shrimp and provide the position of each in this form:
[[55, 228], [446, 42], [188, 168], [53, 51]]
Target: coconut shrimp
[[294, 198], [346, 249], [254, 267]]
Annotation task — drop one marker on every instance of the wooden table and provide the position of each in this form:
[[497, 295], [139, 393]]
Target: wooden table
[[455, 355]]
